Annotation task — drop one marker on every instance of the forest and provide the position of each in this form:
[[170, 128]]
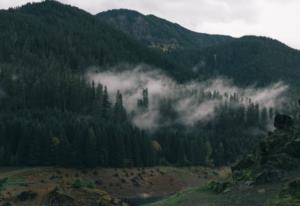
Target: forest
[[61, 118], [51, 114]]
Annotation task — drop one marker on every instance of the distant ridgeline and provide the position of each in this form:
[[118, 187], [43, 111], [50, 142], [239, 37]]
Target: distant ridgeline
[[51, 115]]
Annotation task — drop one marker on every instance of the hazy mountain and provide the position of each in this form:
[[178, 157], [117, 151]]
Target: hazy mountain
[[159, 33]]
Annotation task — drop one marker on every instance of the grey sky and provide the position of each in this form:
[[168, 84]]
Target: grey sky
[[278, 19]]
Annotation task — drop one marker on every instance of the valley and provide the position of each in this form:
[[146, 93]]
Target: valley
[[122, 108]]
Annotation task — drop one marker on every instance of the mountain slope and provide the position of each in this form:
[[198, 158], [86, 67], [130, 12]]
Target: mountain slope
[[37, 34], [247, 60], [159, 33]]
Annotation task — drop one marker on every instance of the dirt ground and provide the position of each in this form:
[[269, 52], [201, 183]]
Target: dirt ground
[[122, 183]]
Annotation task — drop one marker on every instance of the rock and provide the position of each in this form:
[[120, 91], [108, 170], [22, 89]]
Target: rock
[[268, 175], [237, 174], [241, 167], [283, 122], [244, 163], [227, 190], [289, 195], [249, 183], [57, 198], [276, 155], [282, 161], [292, 188], [26, 195], [219, 187], [293, 148], [261, 191]]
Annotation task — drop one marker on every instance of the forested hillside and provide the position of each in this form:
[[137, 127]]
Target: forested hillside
[[50, 33], [51, 113], [247, 60], [159, 33]]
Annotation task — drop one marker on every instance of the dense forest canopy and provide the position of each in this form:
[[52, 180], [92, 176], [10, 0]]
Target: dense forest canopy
[[53, 113]]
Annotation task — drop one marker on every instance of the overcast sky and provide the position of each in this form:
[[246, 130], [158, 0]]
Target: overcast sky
[[279, 19]]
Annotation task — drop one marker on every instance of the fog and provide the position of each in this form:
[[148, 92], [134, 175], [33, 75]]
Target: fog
[[131, 81]]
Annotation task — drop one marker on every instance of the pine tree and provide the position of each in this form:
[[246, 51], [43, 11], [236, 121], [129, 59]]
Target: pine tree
[[119, 110], [91, 158], [106, 105]]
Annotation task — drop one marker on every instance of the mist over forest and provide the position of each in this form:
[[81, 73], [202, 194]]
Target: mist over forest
[[125, 109], [188, 100]]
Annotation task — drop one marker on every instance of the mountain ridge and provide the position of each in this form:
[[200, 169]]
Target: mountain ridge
[[156, 31]]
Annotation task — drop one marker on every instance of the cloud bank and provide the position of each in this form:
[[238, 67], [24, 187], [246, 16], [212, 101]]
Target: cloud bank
[[185, 97]]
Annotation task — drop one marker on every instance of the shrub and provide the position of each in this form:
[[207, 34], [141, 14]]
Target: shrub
[[77, 184], [26, 195], [2, 183], [90, 185]]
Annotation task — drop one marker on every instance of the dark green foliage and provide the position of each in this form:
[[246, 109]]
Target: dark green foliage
[[27, 195], [77, 184], [51, 115], [235, 128], [50, 34], [246, 60], [2, 183], [64, 120]]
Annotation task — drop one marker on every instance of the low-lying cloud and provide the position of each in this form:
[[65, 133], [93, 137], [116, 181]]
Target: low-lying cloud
[[185, 98]]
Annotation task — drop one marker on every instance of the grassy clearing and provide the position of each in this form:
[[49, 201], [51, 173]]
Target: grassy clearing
[[180, 198], [287, 201], [79, 183], [174, 200], [12, 181]]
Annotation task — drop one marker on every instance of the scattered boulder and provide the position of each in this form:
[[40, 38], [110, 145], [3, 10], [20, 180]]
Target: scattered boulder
[[289, 195], [219, 187], [283, 122], [26, 195], [293, 148], [292, 189], [58, 198], [244, 163], [268, 175], [282, 161], [96, 197], [276, 155]]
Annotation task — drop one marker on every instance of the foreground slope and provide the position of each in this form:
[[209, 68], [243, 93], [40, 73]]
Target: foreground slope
[[98, 186], [270, 176]]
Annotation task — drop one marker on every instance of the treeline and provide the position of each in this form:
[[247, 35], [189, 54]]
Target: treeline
[[245, 60], [56, 117], [51, 115], [235, 128], [51, 33]]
